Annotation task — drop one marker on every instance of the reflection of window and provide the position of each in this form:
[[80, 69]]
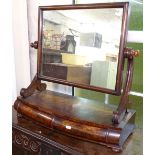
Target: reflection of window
[[135, 28], [135, 38]]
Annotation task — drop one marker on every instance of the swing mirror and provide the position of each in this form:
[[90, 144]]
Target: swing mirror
[[82, 45]]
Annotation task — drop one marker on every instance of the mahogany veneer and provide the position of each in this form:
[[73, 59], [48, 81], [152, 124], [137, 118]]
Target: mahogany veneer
[[81, 118], [27, 133]]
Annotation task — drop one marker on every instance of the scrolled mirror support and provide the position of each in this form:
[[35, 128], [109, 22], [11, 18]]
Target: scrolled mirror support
[[121, 111], [35, 85]]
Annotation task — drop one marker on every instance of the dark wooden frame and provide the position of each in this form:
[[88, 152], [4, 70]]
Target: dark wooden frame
[[118, 85]]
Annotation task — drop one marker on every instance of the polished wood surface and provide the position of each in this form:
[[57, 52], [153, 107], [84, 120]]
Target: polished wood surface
[[78, 117], [30, 138], [71, 107]]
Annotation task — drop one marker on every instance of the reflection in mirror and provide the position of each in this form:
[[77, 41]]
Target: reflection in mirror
[[82, 45]]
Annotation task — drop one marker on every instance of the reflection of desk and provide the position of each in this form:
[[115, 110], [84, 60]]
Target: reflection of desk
[[51, 55], [32, 139], [72, 73]]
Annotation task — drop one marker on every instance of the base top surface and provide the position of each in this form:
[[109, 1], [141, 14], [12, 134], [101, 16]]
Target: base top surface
[[75, 108]]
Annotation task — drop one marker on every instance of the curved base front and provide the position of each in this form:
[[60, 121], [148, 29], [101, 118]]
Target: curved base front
[[99, 130]]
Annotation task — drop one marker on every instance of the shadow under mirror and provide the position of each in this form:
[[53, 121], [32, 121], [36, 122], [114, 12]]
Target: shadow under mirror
[[82, 45]]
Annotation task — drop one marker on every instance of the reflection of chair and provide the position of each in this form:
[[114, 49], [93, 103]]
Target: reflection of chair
[[103, 74], [68, 45]]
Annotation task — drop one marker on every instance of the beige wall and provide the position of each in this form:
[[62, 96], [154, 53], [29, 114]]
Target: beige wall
[[33, 36], [25, 29], [21, 44], [33, 26]]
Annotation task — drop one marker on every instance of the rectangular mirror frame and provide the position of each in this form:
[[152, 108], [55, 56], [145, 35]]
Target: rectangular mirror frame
[[123, 37]]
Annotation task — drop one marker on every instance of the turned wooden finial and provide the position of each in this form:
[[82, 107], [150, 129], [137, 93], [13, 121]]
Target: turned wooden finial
[[130, 53], [34, 45], [121, 111]]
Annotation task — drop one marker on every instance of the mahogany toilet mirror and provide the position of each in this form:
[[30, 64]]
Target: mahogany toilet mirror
[[82, 46]]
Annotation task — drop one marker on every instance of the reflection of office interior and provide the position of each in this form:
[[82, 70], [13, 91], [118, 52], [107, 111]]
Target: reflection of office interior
[[66, 66], [79, 52], [74, 68]]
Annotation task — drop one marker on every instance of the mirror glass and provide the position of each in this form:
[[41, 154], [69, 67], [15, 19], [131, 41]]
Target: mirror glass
[[82, 45]]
